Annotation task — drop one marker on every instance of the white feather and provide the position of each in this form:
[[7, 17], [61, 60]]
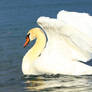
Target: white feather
[[72, 30], [69, 41]]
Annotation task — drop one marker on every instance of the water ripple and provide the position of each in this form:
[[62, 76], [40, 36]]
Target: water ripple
[[57, 83]]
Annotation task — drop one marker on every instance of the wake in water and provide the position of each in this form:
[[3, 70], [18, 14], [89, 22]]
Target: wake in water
[[57, 83]]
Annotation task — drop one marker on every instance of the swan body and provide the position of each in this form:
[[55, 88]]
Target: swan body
[[68, 42]]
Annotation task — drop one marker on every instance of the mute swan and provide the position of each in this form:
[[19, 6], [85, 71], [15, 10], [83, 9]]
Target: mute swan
[[69, 45]]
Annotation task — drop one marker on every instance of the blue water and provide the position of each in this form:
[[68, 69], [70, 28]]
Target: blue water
[[16, 18]]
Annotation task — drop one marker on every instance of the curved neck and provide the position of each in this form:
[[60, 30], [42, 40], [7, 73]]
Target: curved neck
[[38, 47]]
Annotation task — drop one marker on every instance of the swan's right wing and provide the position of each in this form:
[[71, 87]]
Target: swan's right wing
[[82, 35], [82, 21]]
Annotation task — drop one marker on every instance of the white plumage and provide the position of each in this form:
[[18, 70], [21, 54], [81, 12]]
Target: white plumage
[[76, 27], [69, 41]]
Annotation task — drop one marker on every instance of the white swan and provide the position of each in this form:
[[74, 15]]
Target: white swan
[[69, 42]]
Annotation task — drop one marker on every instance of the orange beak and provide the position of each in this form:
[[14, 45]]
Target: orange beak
[[27, 41]]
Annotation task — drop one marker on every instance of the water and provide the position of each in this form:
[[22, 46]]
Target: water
[[16, 18]]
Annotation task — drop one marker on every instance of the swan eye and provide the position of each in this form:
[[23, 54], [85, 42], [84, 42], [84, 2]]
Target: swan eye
[[28, 35]]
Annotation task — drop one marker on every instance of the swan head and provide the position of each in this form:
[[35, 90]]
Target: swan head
[[31, 35]]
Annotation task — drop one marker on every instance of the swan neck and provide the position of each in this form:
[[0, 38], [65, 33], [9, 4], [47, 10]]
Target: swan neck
[[38, 47]]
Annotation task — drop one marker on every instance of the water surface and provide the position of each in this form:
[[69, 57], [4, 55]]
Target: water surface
[[16, 18]]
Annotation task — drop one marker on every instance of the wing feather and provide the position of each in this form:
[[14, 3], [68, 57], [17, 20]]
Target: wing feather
[[75, 26]]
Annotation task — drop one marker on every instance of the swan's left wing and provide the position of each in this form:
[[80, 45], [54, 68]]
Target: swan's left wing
[[61, 26]]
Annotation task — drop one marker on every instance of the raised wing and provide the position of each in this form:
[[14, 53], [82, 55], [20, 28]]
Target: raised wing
[[81, 21], [77, 27]]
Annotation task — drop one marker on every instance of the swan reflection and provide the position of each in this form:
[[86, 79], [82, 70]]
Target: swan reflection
[[59, 83]]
